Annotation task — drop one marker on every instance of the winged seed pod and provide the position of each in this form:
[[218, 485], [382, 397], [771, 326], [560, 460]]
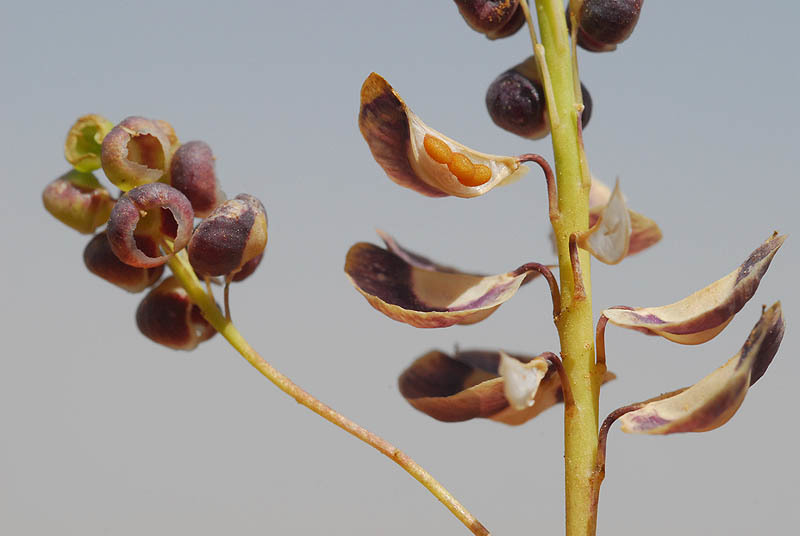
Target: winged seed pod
[[231, 236], [78, 200], [701, 316], [712, 401], [493, 18], [84, 141], [158, 201], [417, 157], [468, 386], [137, 151]]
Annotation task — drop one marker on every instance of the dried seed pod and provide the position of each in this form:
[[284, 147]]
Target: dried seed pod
[[102, 262], [168, 209], [137, 151], [516, 101], [231, 236], [192, 172], [493, 18], [603, 24], [84, 140], [77, 199], [168, 316]]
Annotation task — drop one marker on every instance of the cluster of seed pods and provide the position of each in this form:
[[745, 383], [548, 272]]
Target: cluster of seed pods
[[164, 186]]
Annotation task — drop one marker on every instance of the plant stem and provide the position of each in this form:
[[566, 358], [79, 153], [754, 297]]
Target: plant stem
[[183, 271], [575, 326]]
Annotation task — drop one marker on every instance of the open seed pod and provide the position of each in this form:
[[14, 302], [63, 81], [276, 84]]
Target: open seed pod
[[78, 200], [701, 316], [102, 262], [417, 157], [492, 18], [712, 401], [609, 239], [84, 140], [171, 212], [468, 385], [644, 231], [137, 151], [168, 316], [424, 294]]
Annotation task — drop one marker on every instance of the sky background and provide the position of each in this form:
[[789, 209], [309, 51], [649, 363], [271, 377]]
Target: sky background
[[104, 432]]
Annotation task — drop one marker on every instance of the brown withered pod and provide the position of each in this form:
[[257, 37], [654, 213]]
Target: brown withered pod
[[101, 261], [168, 316], [493, 18], [192, 173], [603, 24], [231, 240], [78, 200], [137, 151]]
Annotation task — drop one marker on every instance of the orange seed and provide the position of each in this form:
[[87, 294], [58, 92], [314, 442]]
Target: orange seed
[[463, 168], [437, 149]]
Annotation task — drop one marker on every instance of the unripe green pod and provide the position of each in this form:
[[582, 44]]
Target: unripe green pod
[[137, 151], [101, 261], [84, 141], [157, 198], [231, 236], [168, 316], [77, 199], [493, 18], [192, 172]]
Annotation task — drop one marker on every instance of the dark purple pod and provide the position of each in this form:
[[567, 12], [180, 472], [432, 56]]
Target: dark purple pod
[[231, 236], [247, 269], [603, 24], [168, 316], [77, 199], [192, 172], [137, 151], [516, 102], [493, 18], [102, 262], [173, 220]]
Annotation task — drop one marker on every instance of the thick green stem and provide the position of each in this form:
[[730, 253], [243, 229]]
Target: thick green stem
[[180, 266], [574, 323]]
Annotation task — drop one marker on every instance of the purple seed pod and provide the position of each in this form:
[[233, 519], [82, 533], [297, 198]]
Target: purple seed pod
[[493, 18], [78, 200], [102, 262], [231, 236], [192, 172], [158, 198], [603, 24], [168, 316], [247, 269], [516, 102], [137, 151]]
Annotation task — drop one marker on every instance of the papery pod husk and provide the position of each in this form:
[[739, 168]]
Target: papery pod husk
[[425, 298], [395, 136], [712, 401], [609, 238], [703, 315], [467, 386]]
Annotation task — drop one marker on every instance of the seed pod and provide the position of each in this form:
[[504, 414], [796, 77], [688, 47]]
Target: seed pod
[[231, 236], [84, 139], [102, 262], [493, 18], [516, 101], [603, 24], [137, 151], [77, 199], [192, 172], [168, 316], [163, 201], [247, 269]]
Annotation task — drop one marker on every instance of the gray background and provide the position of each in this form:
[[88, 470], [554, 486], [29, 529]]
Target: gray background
[[104, 432]]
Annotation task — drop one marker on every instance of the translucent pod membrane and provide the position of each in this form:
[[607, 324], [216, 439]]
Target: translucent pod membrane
[[516, 102], [102, 262], [712, 401], [603, 24], [493, 18], [417, 157], [84, 141], [170, 219], [137, 151], [78, 200], [232, 236], [169, 317], [609, 239], [468, 385], [703, 315], [192, 172]]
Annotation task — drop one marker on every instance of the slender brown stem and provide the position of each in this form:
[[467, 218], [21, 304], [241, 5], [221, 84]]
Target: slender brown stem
[[551, 280], [600, 340], [569, 400], [552, 196], [580, 291], [226, 295]]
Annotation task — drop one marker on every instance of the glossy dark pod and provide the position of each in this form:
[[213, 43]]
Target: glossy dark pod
[[493, 18], [603, 24]]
